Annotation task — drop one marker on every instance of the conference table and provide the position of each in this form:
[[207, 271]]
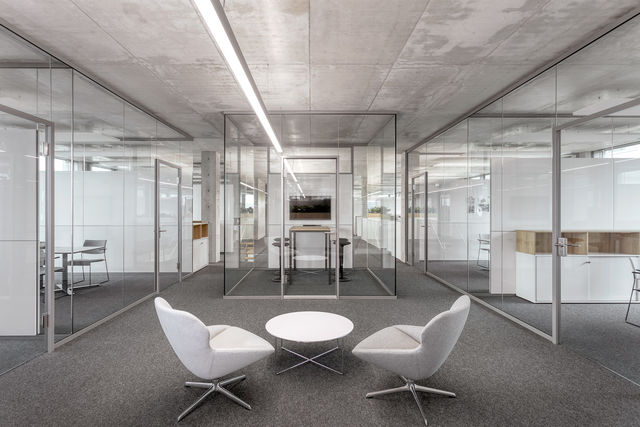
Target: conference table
[[65, 251]]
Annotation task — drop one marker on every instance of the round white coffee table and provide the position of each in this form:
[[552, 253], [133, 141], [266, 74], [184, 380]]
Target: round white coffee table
[[310, 327]]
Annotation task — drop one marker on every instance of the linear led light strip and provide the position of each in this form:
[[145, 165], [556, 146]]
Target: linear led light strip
[[215, 19]]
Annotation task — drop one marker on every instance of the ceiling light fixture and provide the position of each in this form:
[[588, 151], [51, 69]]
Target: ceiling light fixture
[[215, 20]]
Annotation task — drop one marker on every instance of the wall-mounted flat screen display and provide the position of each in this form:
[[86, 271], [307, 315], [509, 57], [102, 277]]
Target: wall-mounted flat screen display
[[309, 208]]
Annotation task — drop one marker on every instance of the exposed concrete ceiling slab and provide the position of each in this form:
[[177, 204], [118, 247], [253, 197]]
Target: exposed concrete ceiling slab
[[345, 87], [429, 60], [365, 32]]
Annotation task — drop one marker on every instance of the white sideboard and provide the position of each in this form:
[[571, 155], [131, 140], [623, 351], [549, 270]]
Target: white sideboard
[[200, 253], [200, 245], [585, 278]]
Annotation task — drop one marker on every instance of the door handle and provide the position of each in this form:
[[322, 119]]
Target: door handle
[[562, 244]]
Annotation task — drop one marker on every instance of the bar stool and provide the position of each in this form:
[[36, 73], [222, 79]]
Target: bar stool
[[276, 243], [343, 242], [634, 288]]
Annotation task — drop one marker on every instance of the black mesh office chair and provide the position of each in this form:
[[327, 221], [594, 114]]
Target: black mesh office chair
[[87, 262]]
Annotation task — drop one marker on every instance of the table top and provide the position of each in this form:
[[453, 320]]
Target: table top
[[316, 228], [309, 326], [74, 250]]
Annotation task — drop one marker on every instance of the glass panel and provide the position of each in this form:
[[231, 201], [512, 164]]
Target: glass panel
[[22, 242], [366, 222], [453, 205], [600, 183], [97, 259], [521, 195], [372, 235], [186, 164], [418, 222], [65, 165], [169, 225], [310, 225], [139, 204], [484, 142], [434, 166]]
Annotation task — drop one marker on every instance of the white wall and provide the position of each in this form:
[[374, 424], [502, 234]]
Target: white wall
[[19, 245]]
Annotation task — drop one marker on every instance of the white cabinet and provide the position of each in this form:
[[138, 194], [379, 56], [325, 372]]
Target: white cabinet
[[585, 278], [200, 253], [610, 278]]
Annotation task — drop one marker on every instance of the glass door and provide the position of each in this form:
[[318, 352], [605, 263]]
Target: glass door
[[26, 246], [311, 257], [168, 230], [597, 238], [418, 222]]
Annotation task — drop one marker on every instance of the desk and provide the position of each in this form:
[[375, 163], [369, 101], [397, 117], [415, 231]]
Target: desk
[[65, 251]]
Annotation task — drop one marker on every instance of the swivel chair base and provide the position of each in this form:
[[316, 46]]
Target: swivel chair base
[[216, 386], [413, 388]]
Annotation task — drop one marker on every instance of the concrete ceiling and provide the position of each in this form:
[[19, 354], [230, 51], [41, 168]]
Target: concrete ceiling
[[430, 61]]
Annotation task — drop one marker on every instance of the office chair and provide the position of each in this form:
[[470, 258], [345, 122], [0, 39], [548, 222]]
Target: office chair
[[484, 245], [84, 262], [416, 352], [210, 352]]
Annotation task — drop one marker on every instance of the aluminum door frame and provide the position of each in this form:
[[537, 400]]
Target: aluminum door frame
[[156, 227], [283, 173], [47, 318]]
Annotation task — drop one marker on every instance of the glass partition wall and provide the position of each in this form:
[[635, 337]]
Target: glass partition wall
[[104, 199], [318, 220], [530, 203]]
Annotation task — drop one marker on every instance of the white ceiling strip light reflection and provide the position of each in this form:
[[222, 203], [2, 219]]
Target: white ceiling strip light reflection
[[252, 187], [288, 166], [301, 192], [216, 21]]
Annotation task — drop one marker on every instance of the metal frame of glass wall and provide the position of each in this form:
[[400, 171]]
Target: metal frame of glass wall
[[103, 163], [513, 143]]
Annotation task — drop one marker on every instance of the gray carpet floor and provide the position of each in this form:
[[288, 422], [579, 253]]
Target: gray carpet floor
[[596, 331], [85, 307], [311, 282], [125, 373]]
